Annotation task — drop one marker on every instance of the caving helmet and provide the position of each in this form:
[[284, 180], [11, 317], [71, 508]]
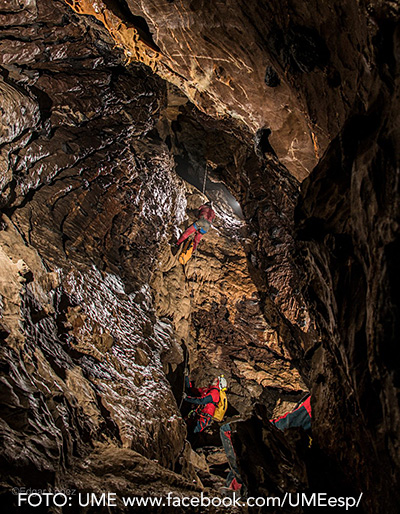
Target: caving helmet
[[222, 383]]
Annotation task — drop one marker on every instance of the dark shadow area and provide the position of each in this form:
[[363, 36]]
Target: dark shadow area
[[215, 189]]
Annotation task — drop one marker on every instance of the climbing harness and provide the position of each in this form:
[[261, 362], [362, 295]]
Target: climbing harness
[[202, 225], [198, 411]]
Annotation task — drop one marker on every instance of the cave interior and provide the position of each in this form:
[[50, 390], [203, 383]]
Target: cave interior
[[119, 119]]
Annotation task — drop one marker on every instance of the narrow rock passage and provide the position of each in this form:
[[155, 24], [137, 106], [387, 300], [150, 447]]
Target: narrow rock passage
[[216, 313]]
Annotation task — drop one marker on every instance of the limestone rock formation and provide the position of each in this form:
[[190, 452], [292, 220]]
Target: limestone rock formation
[[218, 314], [351, 245], [219, 56]]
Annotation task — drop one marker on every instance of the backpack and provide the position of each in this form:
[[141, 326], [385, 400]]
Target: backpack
[[187, 251], [221, 407]]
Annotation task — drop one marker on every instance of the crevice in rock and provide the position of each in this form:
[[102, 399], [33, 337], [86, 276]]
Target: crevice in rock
[[121, 8]]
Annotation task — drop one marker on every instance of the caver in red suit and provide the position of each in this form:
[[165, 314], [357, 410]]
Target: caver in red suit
[[299, 417], [209, 397], [201, 226]]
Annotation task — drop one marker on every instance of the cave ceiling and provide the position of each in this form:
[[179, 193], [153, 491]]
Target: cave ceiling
[[118, 119], [252, 61]]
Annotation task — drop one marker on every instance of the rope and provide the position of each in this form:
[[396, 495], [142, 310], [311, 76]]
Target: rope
[[184, 371], [191, 294], [205, 180], [191, 287], [191, 297]]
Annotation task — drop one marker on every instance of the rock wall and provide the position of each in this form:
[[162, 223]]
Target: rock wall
[[83, 354], [293, 67], [348, 223], [268, 195], [217, 313]]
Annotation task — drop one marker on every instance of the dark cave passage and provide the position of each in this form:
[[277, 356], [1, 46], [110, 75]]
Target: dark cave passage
[[260, 370]]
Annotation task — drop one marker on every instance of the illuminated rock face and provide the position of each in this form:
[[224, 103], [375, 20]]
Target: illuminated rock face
[[298, 292], [89, 203]]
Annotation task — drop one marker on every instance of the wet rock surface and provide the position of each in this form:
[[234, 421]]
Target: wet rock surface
[[219, 315], [82, 342], [217, 54]]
